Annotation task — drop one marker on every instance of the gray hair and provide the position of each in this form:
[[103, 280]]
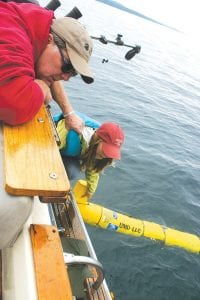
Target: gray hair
[[58, 41]]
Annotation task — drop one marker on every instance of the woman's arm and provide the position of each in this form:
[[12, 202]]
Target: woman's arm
[[92, 178]]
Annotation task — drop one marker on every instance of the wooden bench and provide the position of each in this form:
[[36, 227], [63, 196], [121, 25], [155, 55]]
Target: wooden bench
[[33, 165], [51, 274]]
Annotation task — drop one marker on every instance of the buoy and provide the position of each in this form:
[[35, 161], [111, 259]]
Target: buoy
[[96, 215]]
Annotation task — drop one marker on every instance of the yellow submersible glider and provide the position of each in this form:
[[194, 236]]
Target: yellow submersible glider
[[96, 215]]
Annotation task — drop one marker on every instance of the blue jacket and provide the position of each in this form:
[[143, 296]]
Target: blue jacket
[[73, 141]]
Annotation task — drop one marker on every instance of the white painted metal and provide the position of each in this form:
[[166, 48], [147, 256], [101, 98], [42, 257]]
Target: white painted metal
[[14, 211], [18, 277]]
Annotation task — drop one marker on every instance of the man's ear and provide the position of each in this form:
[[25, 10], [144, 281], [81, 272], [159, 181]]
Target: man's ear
[[50, 39]]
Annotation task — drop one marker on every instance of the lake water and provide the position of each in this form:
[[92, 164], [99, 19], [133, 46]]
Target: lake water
[[155, 98]]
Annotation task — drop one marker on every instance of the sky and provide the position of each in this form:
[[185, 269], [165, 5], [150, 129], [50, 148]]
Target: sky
[[181, 14]]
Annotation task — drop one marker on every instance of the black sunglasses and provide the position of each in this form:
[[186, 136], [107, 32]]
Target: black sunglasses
[[67, 65]]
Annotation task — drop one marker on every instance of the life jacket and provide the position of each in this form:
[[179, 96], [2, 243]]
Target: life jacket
[[73, 141]]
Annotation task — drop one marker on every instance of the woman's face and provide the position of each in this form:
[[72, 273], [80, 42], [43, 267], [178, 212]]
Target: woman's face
[[99, 152]]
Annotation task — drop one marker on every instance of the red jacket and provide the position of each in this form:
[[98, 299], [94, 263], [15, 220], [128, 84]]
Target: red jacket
[[24, 30]]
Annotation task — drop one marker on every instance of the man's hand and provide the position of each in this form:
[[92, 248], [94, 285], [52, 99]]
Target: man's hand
[[71, 119], [74, 122]]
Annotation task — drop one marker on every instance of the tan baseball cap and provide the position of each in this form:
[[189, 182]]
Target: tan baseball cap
[[78, 44]]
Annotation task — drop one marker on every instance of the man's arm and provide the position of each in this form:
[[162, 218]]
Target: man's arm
[[21, 98], [71, 119], [45, 89]]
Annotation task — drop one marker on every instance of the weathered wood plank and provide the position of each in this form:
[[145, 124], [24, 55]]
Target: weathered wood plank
[[51, 274], [94, 295], [33, 165]]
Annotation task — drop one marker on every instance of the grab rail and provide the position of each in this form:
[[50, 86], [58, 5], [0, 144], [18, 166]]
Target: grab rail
[[71, 259]]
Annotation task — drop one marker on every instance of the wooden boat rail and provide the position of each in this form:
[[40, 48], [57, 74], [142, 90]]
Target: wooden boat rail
[[33, 165], [51, 276]]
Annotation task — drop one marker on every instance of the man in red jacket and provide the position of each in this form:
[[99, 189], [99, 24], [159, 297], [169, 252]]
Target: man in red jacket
[[36, 53]]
